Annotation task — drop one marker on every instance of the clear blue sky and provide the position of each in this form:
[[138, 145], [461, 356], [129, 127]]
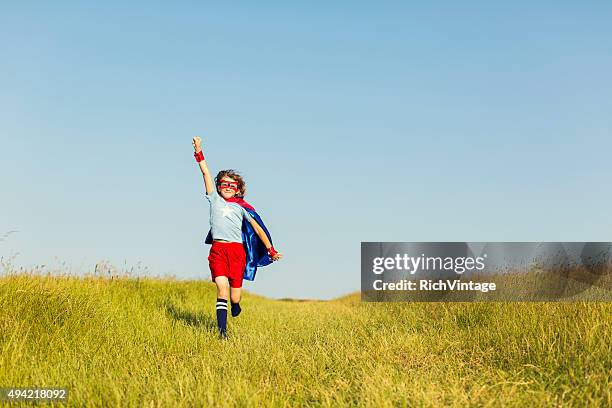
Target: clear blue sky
[[351, 122]]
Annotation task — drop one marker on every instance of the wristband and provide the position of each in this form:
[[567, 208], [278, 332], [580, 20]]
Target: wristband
[[199, 156], [272, 252]]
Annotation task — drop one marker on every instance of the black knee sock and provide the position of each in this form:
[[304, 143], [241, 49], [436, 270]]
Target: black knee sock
[[236, 309], [222, 316]]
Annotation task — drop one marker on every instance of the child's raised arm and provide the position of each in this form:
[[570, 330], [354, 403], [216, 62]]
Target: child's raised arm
[[208, 181]]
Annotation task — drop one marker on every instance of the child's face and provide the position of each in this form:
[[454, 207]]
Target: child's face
[[228, 187]]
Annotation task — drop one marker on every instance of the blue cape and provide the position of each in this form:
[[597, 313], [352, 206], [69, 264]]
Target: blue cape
[[256, 253]]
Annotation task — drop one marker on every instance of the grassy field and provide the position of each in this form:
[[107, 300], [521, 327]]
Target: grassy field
[[153, 342]]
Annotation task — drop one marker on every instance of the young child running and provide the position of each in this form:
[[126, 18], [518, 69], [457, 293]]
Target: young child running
[[227, 258]]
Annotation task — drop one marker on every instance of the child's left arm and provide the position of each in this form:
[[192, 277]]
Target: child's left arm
[[262, 235]]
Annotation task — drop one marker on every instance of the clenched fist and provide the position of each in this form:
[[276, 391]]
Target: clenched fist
[[197, 144]]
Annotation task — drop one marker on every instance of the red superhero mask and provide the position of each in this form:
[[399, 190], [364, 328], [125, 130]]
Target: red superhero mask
[[229, 184]]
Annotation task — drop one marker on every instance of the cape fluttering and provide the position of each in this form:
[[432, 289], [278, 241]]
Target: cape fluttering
[[256, 253]]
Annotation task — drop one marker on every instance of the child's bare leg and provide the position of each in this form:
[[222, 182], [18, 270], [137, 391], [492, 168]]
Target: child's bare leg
[[235, 301], [222, 295], [222, 287], [235, 294]]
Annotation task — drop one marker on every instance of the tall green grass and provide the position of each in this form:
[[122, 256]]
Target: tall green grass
[[153, 342]]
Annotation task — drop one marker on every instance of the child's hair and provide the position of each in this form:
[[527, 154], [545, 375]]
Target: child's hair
[[234, 175]]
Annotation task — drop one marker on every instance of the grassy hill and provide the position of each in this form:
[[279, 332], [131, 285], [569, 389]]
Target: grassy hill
[[153, 342]]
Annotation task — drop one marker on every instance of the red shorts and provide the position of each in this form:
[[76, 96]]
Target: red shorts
[[228, 259]]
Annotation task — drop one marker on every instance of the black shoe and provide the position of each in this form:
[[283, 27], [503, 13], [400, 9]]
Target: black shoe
[[223, 335]]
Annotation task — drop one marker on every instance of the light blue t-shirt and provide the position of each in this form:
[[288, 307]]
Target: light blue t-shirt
[[226, 218]]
